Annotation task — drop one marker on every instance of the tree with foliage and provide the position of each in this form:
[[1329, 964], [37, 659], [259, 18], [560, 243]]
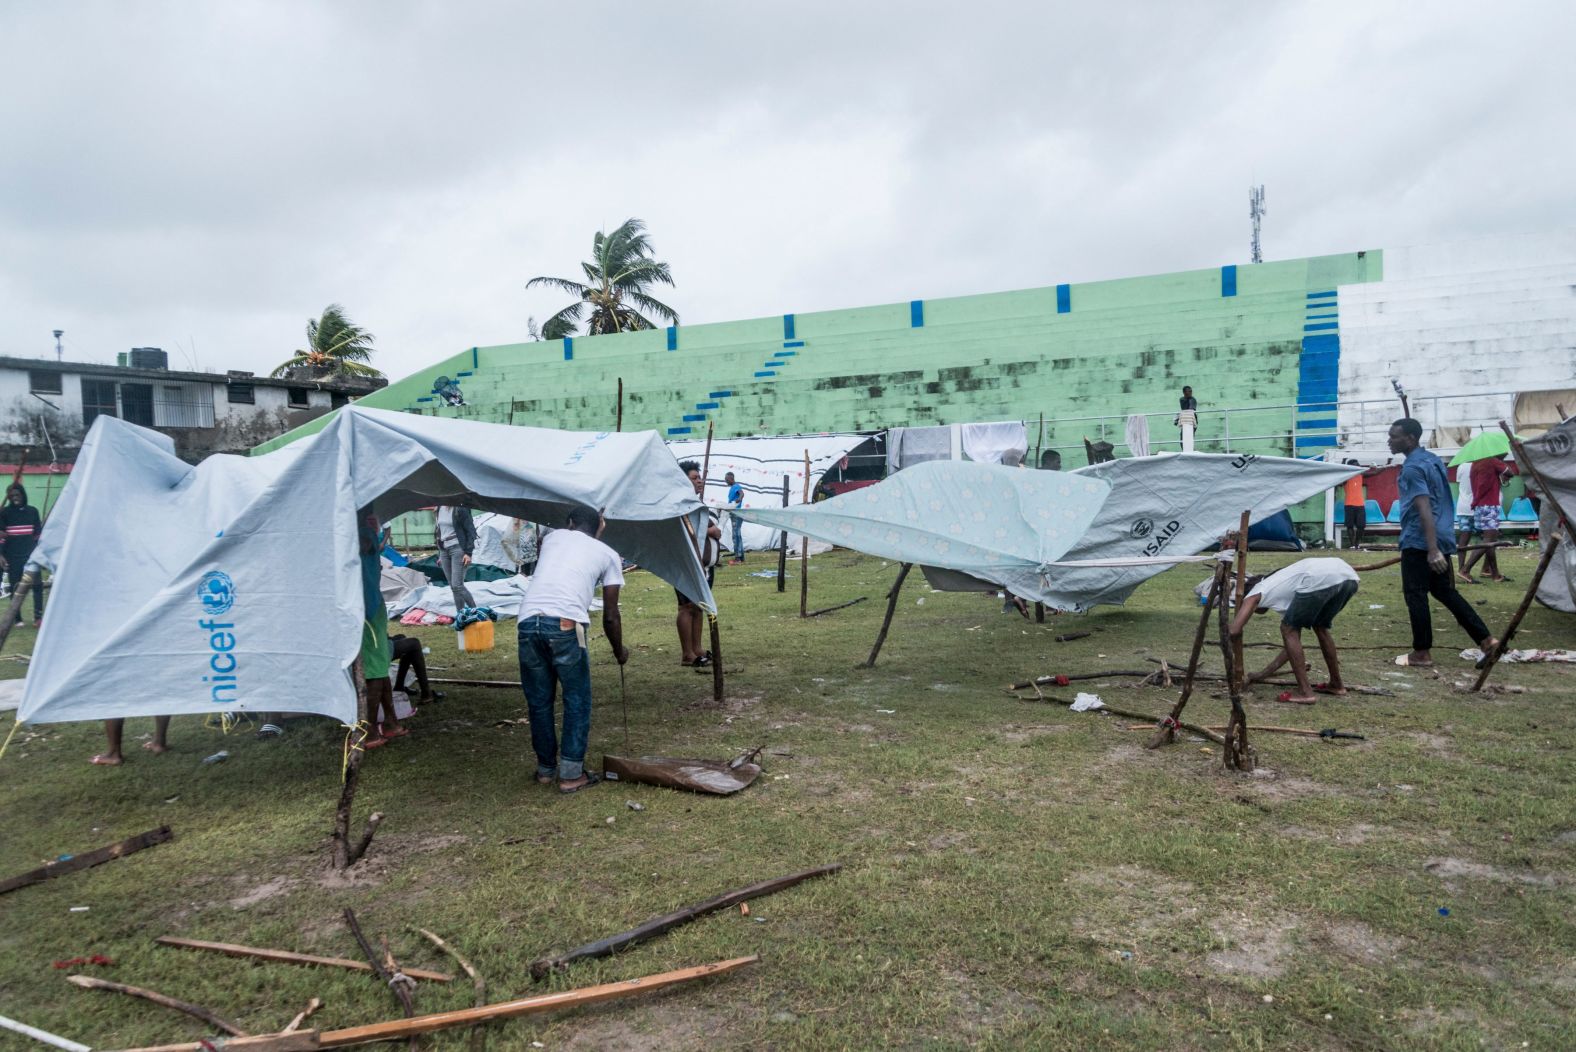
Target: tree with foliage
[[336, 349], [619, 277]]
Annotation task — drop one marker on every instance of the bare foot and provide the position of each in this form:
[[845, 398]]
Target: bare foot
[[1288, 696], [155, 747], [1337, 689], [1464, 579], [107, 760]]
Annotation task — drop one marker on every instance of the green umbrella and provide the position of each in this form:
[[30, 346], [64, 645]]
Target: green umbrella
[[1488, 444]]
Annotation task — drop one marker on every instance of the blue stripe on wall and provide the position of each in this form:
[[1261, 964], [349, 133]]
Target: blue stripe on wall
[[916, 314], [1064, 299], [719, 394], [474, 360], [1320, 295], [787, 326], [690, 417], [1321, 326], [793, 343], [707, 405], [680, 430], [569, 348], [1228, 280], [673, 337]]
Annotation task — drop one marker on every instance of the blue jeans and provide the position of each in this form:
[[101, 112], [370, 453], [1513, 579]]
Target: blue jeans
[[738, 537], [550, 655]]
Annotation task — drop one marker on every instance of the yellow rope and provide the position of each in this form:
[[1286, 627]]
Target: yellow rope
[[12, 733], [361, 728]]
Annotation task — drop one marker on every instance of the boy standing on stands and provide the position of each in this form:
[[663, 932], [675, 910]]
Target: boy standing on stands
[[1488, 478], [735, 502], [22, 526], [1426, 546]]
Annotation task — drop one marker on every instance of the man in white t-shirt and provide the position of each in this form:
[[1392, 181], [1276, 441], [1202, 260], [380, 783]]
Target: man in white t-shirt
[[554, 616], [1308, 594]]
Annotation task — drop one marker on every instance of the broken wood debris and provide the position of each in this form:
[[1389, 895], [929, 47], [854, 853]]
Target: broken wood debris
[[287, 957], [88, 982], [302, 1016], [87, 859], [478, 1035], [1124, 713], [839, 606], [667, 922]]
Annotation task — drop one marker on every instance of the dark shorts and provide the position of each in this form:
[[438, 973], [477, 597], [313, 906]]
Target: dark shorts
[[1357, 517], [1318, 609], [711, 580]]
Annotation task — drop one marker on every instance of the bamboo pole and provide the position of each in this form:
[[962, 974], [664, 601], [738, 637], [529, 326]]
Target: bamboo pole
[[256, 953], [88, 982], [1168, 726], [668, 921], [804, 549], [886, 622]]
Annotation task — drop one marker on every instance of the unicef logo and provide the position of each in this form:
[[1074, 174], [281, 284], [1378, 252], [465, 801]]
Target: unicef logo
[[216, 592], [1143, 528]]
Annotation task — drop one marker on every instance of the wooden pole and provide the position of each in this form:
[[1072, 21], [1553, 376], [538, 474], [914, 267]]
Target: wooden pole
[[717, 685], [1039, 612], [478, 1034], [618, 421], [804, 549], [1236, 753], [256, 953], [87, 982], [360, 1035], [1168, 726], [87, 859], [705, 460], [1525, 462], [1039, 443], [886, 622], [26, 584], [1492, 657], [668, 921], [782, 547], [347, 854]]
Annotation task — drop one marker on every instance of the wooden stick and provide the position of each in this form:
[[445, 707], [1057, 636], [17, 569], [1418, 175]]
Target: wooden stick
[[346, 854], [88, 982], [381, 966], [1068, 637], [510, 683], [1168, 726], [1235, 752], [88, 859], [804, 549], [478, 1035], [782, 547], [43, 1035], [1525, 462], [297, 1041], [286, 957], [886, 622], [302, 1016], [839, 606], [400, 983], [1126, 714], [618, 422], [1492, 657], [308, 1040], [717, 686], [668, 921], [1039, 612]]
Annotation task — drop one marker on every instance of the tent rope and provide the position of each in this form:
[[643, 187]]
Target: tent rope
[[9, 735], [363, 729]]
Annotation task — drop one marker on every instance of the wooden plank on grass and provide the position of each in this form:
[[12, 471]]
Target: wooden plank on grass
[[87, 860]]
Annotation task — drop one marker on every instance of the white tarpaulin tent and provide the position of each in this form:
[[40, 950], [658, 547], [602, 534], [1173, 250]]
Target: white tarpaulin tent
[[1553, 453], [240, 587], [1171, 504], [759, 464]]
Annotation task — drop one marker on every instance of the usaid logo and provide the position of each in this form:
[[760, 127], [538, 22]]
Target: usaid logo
[[1559, 443], [1242, 462], [216, 592], [1143, 528]]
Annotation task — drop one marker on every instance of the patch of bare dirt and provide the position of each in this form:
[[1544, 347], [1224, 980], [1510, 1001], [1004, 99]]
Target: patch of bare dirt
[[1255, 947], [1450, 869], [262, 892], [1429, 1019], [1361, 833], [665, 1024], [1136, 904], [1356, 941], [979, 1010], [1018, 735], [1269, 784], [1433, 744]]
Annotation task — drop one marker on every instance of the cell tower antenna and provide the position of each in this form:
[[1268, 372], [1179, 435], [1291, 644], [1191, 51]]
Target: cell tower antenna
[[1256, 211]]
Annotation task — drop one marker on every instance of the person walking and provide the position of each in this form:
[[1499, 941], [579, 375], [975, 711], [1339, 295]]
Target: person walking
[[455, 535], [1308, 594], [1488, 497], [735, 502], [554, 616], [693, 652], [22, 525], [1427, 545]]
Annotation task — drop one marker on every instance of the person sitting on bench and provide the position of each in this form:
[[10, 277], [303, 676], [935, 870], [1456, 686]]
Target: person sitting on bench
[[1308, 594]]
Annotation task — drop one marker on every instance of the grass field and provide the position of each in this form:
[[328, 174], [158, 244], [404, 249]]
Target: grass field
[[1016, 875]]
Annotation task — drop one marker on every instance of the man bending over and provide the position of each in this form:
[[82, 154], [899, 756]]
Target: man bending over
[[1307, 594]]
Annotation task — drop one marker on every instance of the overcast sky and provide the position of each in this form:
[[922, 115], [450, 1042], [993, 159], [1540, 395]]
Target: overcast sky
[[206, 176]]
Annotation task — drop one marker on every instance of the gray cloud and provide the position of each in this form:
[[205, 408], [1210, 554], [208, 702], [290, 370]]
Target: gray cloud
[[205, 177]]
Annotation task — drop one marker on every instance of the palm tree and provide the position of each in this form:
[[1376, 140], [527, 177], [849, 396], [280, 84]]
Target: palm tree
[[618, 276], [336, 348]]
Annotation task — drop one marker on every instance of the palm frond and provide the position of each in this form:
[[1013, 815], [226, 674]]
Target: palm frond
[[574, 288], [298, 360], [652, 306], [563, 323]]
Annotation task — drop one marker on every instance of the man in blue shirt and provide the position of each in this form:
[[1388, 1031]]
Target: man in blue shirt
[[1427, 513], [735, 502]]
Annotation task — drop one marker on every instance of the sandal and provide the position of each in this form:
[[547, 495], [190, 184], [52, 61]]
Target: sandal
[[1285, 695], [374, 743], [1405, 661], [397, 732], [591, 778], [1325, 688]]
